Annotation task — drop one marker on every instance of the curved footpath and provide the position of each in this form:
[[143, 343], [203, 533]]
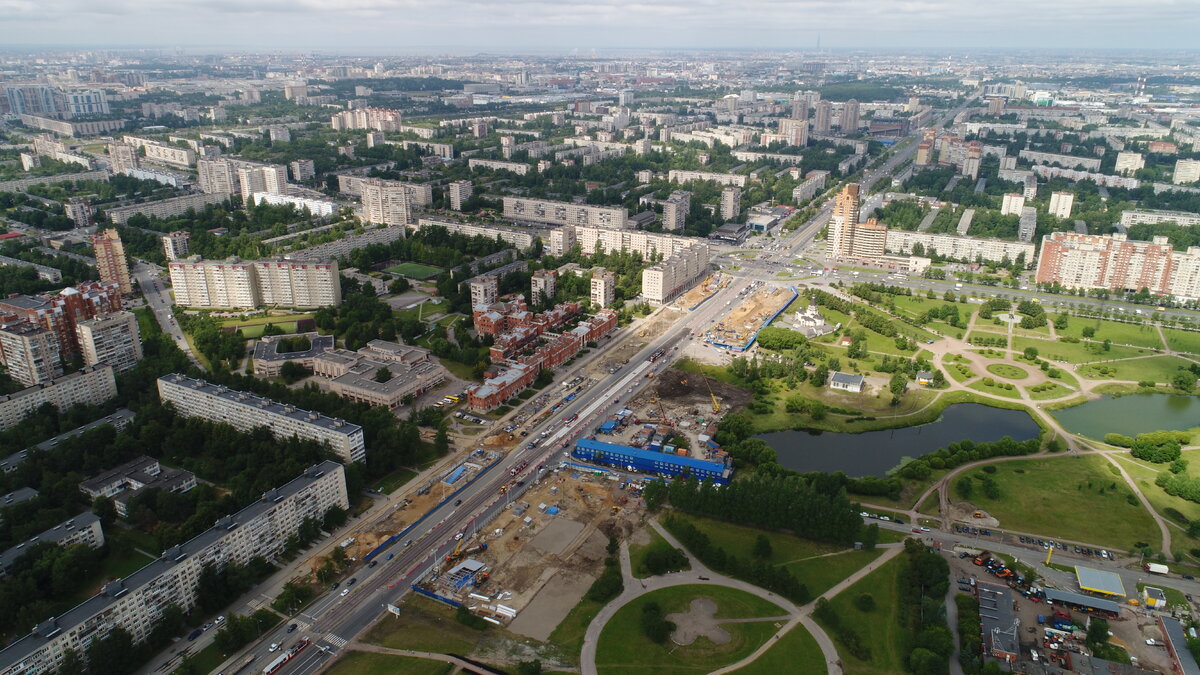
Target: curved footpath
[[635, 588]]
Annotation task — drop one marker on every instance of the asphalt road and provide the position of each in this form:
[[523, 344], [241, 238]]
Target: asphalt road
[[158, 299]]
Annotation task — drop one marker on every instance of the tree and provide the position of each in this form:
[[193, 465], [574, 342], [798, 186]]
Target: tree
[[383, 374], [865, 602], [762, 547], [1184, 381], [1097, 633], [112, 653], [899, 384], [293, 371], [965, 487], [529, 668], [1089, 332], [1031, 353], [105, 510]]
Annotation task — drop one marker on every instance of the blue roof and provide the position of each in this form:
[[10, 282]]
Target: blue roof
[[687, 462]]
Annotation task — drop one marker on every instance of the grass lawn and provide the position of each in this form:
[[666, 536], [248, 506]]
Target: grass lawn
[[1076, 352], [795, 652], [1077, 498], [424, 625], [568, 634], [1175, 598], [1183, 340], [414, 270], [393, 481], [1144, 474], [821, 574], [739, 540], [208, 659], [959, 372], [367, 663], [623, 648], [637, 554], [1139, 334], [1155, 369], [931, 506], [881, 629], [256, 330], [460, 370], [278, 320], [1057, 391], [1007, 371], [995, 390]]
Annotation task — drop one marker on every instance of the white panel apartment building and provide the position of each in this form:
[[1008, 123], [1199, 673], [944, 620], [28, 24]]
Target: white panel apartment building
[[684, 258], [165, 208], [113, 339], [960, 248], [565, 213], [157, 151], [419, 194], [92, 385], [137, 601], [241, 284], [518, 168], [385, 202], [246, 412], [522, 239], [1150, 217], [679, 176]]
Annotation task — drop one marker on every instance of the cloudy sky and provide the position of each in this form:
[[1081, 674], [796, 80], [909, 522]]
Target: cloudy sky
[[380, 26]]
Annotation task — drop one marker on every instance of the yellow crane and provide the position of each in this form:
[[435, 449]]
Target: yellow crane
[[716, 404], [1049, 555]]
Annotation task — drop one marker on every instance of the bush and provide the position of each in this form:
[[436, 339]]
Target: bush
[[608, 585], [654, 626], [865, 602], [664, 559]]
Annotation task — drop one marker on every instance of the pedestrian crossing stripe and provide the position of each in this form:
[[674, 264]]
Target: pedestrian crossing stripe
[[335, 640]]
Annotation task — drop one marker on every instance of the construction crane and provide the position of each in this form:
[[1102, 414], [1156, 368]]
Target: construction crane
[[716, 404], [454, 556]]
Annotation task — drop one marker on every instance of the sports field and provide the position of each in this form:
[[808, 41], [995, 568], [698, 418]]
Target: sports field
[[414, 270]]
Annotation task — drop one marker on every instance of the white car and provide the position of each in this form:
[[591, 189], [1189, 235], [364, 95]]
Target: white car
[[274, 647], [345, 592]]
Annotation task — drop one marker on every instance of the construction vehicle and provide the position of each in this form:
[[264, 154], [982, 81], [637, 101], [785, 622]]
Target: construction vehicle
[[457, 552], [480, 579], [716, 405]]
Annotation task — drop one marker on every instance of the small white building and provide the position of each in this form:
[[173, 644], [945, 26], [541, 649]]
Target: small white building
[[846, 382]]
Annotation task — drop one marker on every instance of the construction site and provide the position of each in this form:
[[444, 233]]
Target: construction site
[[701, 292], [750, 311]]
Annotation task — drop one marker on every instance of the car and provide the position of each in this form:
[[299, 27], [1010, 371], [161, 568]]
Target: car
[[458, 536], [1188, 576], [457, 502], [345, 592], [274, 647], [292, 628], [194, 634], [917, 530], [352, 581], [335, 585], [924, 529], [373, 563], [1188, 596], [208, 625], [220, 620]]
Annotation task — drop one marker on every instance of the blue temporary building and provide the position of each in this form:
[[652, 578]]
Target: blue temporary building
[[455, 475], [646, 461], [608, 427]]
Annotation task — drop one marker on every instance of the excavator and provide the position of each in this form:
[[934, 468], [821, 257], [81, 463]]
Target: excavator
[[716, 404]]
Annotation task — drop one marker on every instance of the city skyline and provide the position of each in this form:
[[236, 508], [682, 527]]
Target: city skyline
[[405, 26]]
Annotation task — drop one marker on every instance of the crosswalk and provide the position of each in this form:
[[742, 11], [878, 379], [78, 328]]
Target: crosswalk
[[336, 641]]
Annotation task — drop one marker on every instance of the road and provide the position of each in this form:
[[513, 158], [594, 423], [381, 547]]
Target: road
[[158, 299]]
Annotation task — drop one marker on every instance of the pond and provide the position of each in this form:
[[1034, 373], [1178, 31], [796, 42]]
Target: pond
[[873, 453], [1131, 415]]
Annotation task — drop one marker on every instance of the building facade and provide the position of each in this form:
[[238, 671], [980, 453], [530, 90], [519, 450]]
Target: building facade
[[91, 385], [113, 339], [246, 412], [237, 284], [165, 208], [1115, 263], [110, 260], [565, 213], [176, 245], [29, 353]]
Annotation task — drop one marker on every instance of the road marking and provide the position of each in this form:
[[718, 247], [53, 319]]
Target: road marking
[[335, 640]]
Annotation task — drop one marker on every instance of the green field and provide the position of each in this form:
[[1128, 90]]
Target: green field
[[1175, 598], [1144, 473], [637, 554], [795, 652], [739, 540], [393, 481], [821, 574], [1076, 352], [254, 332], [367, 663], [414, 270], [1139, 334], [1007, 371], [979, 385], [881, 629], [623, 648], [569, 633], [424, 625], [1078, 498], [1057, 391], [1154, 369], [1183, 340]]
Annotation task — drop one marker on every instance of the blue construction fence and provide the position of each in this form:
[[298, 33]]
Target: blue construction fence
[[435, 596], [754, 336], [403, 533]]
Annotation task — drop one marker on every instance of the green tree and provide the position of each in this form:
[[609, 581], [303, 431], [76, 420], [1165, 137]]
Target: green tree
[[898, 384], [762, 547], [1184, 380], [105, 510], [383, 374], [1031, 353]]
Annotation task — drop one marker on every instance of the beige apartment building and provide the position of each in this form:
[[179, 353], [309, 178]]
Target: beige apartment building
[[237, 284]]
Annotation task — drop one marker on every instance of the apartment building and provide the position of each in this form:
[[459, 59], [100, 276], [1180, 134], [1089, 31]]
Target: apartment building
[[543, 284], [603, 287], [341, 247], [958, 247], [519, 238], [113, 339], [176, 245], [379, 119], [1115, 263], [1127, 163], [731, 203], [518, 168], [29, 353], [165, 208], [1061, 204], [1047, 172], [245, 412], [1151, 216], [1066, 161], [111, 264], [675, 210], [813, 183], [1186, 171], [135, 477], [238, 284], [842, 220], [565, 213], [385, 202], [485, 289], [663, 282], [681, 176], [1012, 204], [271, 179], [823, 117], [59, 312], [91, 385], [314, 205], [137, 601], [44, 272], [162, 153], [74, 129], [419, 194], [460, 191], [218, 176], [81, 529]]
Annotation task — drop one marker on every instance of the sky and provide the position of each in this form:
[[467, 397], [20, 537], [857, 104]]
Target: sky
[[530, 26]]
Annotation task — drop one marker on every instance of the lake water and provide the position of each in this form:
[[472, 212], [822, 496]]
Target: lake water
[[1131, 415], [873, 453]]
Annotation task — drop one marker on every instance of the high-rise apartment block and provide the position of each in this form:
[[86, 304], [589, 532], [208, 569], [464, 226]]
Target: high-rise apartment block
[[823, 119], [91, 385], [924, 154], [136, 602], [1012, 204], [565, 213], [675, 210], [485, 290], [29, 353], [1186, 171], [60, 312], [543, 284], [271, 179], [850, 117], [246, 412], [386, 202], [1061, 204], [113, 339], [303, 169], [731, 203], [460, 191], [604, 287], [1115, 263], [237, 284], [799, 107], [795, 132], [110, 260], [1129, 162], [842, 220], [683, 258], [176, 245], [379, 119]]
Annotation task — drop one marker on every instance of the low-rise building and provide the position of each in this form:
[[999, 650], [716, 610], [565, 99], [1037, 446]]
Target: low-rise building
[[268, 360], [382, 373], [135, 477], [245, 412], [846, 382]]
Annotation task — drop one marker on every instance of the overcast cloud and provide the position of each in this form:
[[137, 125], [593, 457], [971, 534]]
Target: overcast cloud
[[541, 25]]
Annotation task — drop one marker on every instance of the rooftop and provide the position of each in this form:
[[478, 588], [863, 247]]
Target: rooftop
[[267, 349], [847, 378], [254, 401], [997, 617], [1177, 641], [1055, 595], [21, 649], [17, 496], [1099, 581], [639, 453], [52, 535]]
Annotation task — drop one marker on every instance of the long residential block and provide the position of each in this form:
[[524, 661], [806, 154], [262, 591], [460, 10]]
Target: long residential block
[[565, 213], [82, 529], [92, 385], [165, 208], [1115, 263], [245, 411], [960, 248], [522, 239], [137, 601], [234, 283]]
